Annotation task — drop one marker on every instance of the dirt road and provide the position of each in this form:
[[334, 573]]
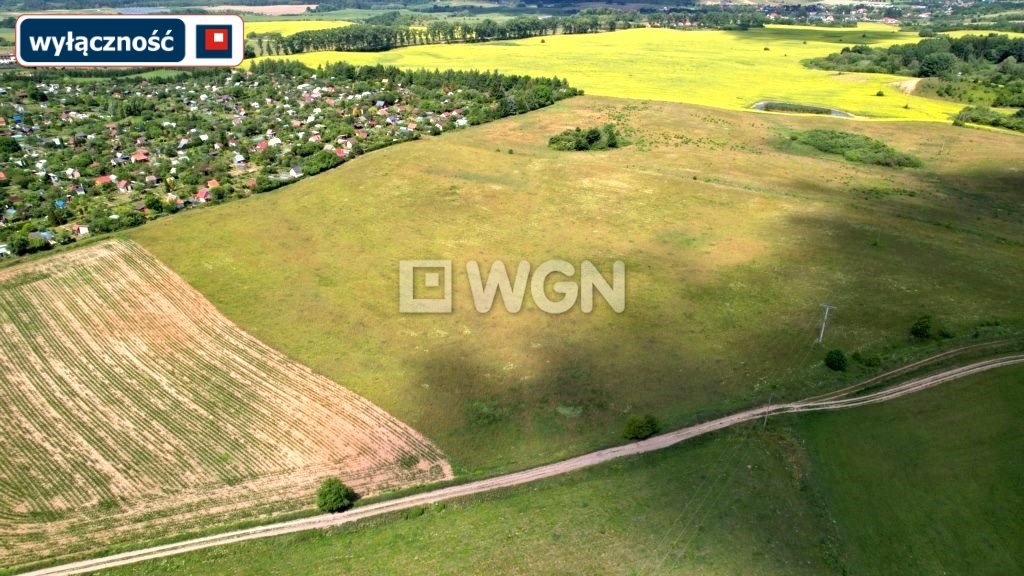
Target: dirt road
[[508, 480]]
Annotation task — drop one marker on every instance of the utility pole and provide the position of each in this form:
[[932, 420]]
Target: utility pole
[[821, 335], [765, 423]]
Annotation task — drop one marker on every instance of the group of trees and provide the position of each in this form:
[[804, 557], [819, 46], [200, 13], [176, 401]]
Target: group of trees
[[994, 61], [590, 139], [937, 56]]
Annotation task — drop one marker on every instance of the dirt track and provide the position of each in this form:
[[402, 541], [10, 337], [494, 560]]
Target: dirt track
[[533, 474]]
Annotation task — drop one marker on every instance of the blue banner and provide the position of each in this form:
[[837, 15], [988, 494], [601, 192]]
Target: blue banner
[[101, 41]]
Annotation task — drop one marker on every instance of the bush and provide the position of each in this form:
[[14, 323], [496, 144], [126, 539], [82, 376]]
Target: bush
[[589, 139], [334, 496], [8, 147], [989, 117], [836, 360], [797, 108], [922, 329], [855, 148], [641, 427]]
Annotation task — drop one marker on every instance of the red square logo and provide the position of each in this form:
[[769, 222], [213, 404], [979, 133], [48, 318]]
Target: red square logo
[[216, 39]]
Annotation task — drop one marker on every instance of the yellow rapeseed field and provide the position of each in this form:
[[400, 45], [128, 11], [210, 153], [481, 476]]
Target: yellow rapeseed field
[[725, 69]]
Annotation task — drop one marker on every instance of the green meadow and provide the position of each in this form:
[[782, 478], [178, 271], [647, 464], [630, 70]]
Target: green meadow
[[732, 234], [927, 484], [732, 70]]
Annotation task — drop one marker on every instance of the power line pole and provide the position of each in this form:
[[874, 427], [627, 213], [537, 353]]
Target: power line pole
[[824, 321], [765, 423]]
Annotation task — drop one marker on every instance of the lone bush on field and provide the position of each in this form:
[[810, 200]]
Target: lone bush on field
[[922, 329], [836, 360], [641, 427], [589, 139], [334, 496]]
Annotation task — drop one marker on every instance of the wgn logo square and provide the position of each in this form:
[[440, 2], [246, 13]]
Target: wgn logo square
[[425, 286], [213, 41]]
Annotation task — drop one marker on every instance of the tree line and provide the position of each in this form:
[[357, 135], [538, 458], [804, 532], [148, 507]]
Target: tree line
[[380, 37], [391, 31]]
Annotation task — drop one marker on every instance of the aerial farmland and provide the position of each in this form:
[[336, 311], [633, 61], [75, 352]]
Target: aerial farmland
[[120, 376], [482, 287]]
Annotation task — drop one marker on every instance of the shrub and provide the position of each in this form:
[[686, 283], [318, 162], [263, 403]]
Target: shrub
[[797, 108], [8, 147], [855, 148], [922, 329], [989, 117], [836, 360], [412, 513], [589, 139], [641, 427], [334, 496], [880, 93]]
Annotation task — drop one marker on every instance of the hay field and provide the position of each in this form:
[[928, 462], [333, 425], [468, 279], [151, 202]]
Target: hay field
[[133, 410]]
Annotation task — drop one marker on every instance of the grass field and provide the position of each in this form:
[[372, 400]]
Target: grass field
[[134, 410], [733, 236], [928, 484], [289, 27], [732, 70], [931, 483]]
